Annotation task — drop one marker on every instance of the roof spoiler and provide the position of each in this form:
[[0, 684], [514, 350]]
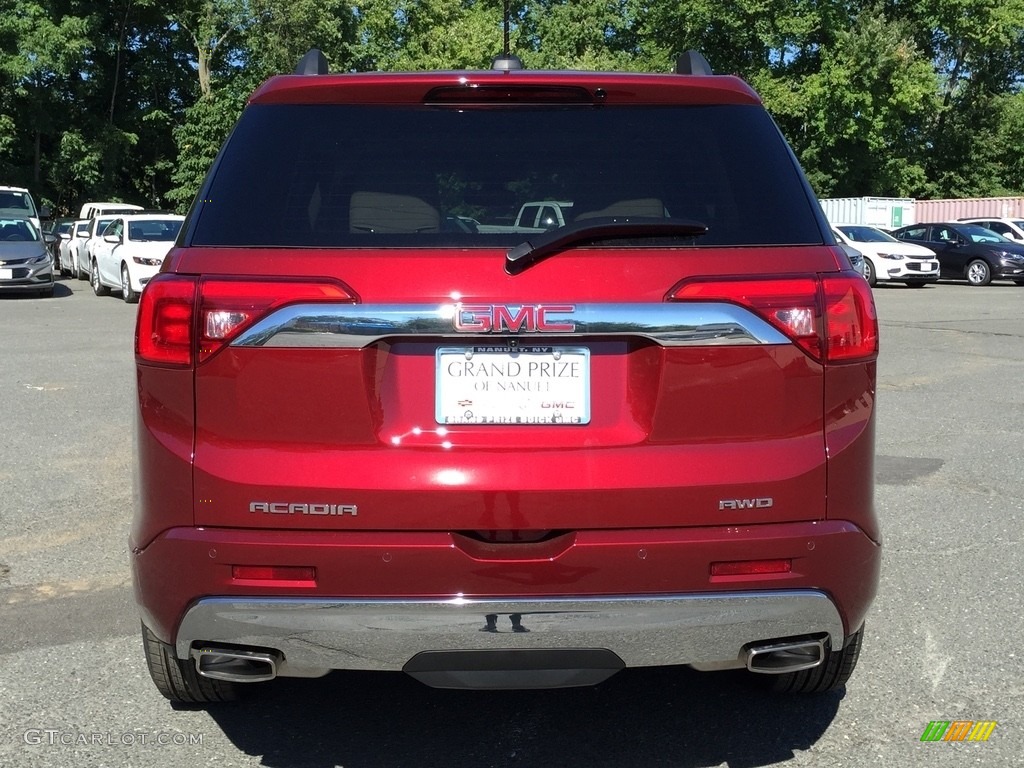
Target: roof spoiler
[[689, 63]]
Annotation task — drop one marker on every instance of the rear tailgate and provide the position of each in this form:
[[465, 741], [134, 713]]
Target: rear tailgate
[[328, 418]]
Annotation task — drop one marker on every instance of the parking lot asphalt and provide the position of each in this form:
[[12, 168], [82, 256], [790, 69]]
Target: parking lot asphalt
[[940, 645]]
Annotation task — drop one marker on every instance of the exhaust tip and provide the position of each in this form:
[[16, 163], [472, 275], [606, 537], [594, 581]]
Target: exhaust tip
[[792, 656], [235, 665]]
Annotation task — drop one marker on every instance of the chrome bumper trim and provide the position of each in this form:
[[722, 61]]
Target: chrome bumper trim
[[360, 325], [707, 630]]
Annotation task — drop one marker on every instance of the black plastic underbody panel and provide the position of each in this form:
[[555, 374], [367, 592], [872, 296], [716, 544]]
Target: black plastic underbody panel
[[514, 669]]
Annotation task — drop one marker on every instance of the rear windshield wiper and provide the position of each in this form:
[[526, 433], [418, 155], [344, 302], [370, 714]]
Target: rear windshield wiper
[[545, 243]]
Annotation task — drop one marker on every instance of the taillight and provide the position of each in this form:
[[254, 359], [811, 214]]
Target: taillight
[[163, 328], [227, 307], [851, 327], [831, 317], [170, 327]]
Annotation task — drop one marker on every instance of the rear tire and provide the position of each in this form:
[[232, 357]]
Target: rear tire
[[831, 674], [178, 680]]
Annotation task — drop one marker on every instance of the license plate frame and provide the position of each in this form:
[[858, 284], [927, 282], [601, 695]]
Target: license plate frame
[[512, 385]]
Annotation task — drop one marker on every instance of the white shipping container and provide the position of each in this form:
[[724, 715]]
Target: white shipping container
[[951, 210], [884, 212]]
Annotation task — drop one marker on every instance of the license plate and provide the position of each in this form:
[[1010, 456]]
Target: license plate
[[527, 385], [6, 274]]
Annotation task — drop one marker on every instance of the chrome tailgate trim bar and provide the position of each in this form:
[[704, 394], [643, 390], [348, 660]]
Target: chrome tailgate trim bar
[[360, 325]]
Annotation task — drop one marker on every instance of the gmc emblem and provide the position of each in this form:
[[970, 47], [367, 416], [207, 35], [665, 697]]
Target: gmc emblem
[[504, 318]]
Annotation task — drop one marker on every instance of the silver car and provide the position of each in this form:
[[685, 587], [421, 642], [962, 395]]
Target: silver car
[[856, 258], [25, 262]]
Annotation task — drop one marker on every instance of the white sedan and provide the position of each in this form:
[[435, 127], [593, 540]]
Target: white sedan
[[886, 258], [70, 248], [85, 238], [130, 251]]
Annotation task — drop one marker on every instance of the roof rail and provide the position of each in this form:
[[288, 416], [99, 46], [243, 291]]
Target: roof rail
[[692, 63], [313, 63]]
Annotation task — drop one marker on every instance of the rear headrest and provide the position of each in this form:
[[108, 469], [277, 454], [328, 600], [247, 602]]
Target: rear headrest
[[641, 206], [385, 213]]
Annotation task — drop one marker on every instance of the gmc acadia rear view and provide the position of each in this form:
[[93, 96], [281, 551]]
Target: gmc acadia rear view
[[382, 427]]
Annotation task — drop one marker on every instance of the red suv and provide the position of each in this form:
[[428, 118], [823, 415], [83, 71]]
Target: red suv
[[384, 425]]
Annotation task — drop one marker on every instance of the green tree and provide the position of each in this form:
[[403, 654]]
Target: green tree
[[37, 55], [430, 34], [132, 99], [977, 49], [747, 37], [579, 34], [857, 122], [237, 45], [91, 91], [1008, 144], [199, 137], [286, 31]]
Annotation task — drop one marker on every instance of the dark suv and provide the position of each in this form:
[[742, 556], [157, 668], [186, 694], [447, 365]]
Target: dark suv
[[382, 427]]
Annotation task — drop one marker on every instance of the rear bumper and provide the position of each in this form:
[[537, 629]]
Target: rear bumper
[[380, 598], [314, 635]]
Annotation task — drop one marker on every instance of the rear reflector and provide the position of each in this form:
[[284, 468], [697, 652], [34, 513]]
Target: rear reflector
[[751, 567], [287, 573], [831, 317]]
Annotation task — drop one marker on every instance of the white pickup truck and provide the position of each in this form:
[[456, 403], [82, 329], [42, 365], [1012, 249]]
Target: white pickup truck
[[92, 210], [539, 216]]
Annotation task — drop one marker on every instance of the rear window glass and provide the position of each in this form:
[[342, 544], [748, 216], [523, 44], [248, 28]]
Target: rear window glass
[[156, 230], [417, 176], [14, 203]]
